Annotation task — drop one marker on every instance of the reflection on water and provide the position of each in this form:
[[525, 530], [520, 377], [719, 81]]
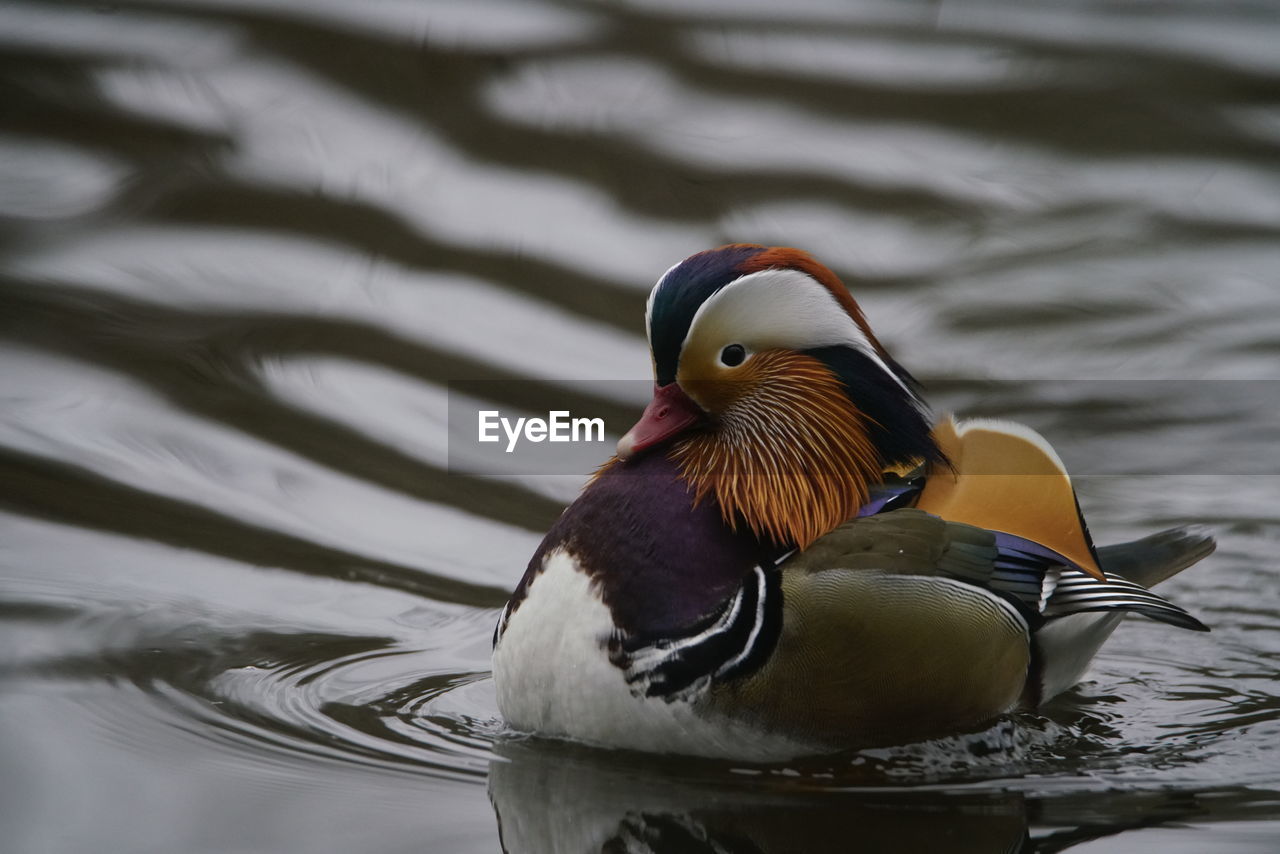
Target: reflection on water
[[550, 798], [248, 249], [549, 802]]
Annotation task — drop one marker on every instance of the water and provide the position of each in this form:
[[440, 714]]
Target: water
[[245, 605]]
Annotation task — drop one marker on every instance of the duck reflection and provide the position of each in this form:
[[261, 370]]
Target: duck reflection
[[550, 799]]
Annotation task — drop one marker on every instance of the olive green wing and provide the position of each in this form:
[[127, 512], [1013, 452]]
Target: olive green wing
[[882, 641], [912, 542], [1037, 581]]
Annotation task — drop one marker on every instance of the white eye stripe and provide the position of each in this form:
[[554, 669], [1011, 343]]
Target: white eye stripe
[[781, 308]]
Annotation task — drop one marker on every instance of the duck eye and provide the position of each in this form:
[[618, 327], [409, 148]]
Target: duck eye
[[733, 355]]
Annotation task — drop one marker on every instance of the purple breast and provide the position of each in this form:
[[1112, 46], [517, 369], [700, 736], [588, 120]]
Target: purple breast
[[662, 562]]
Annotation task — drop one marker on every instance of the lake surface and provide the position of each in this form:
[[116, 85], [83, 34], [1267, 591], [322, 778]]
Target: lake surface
[[246, 246]]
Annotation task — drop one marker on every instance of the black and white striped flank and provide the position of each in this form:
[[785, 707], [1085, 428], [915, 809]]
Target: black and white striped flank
[[732, 642]]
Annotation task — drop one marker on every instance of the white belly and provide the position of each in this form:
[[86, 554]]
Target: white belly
[[553, 677]]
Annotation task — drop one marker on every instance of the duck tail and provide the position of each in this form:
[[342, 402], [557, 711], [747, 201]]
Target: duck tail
[[1153, 559], [1083, 612]]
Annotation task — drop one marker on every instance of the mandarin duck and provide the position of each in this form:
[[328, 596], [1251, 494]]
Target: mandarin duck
[[787, 557]]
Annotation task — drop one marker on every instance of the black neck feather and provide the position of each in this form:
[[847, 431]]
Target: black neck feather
[[898, 420]]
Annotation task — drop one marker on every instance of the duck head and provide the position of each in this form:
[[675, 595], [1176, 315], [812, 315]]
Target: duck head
[[772, 393]]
